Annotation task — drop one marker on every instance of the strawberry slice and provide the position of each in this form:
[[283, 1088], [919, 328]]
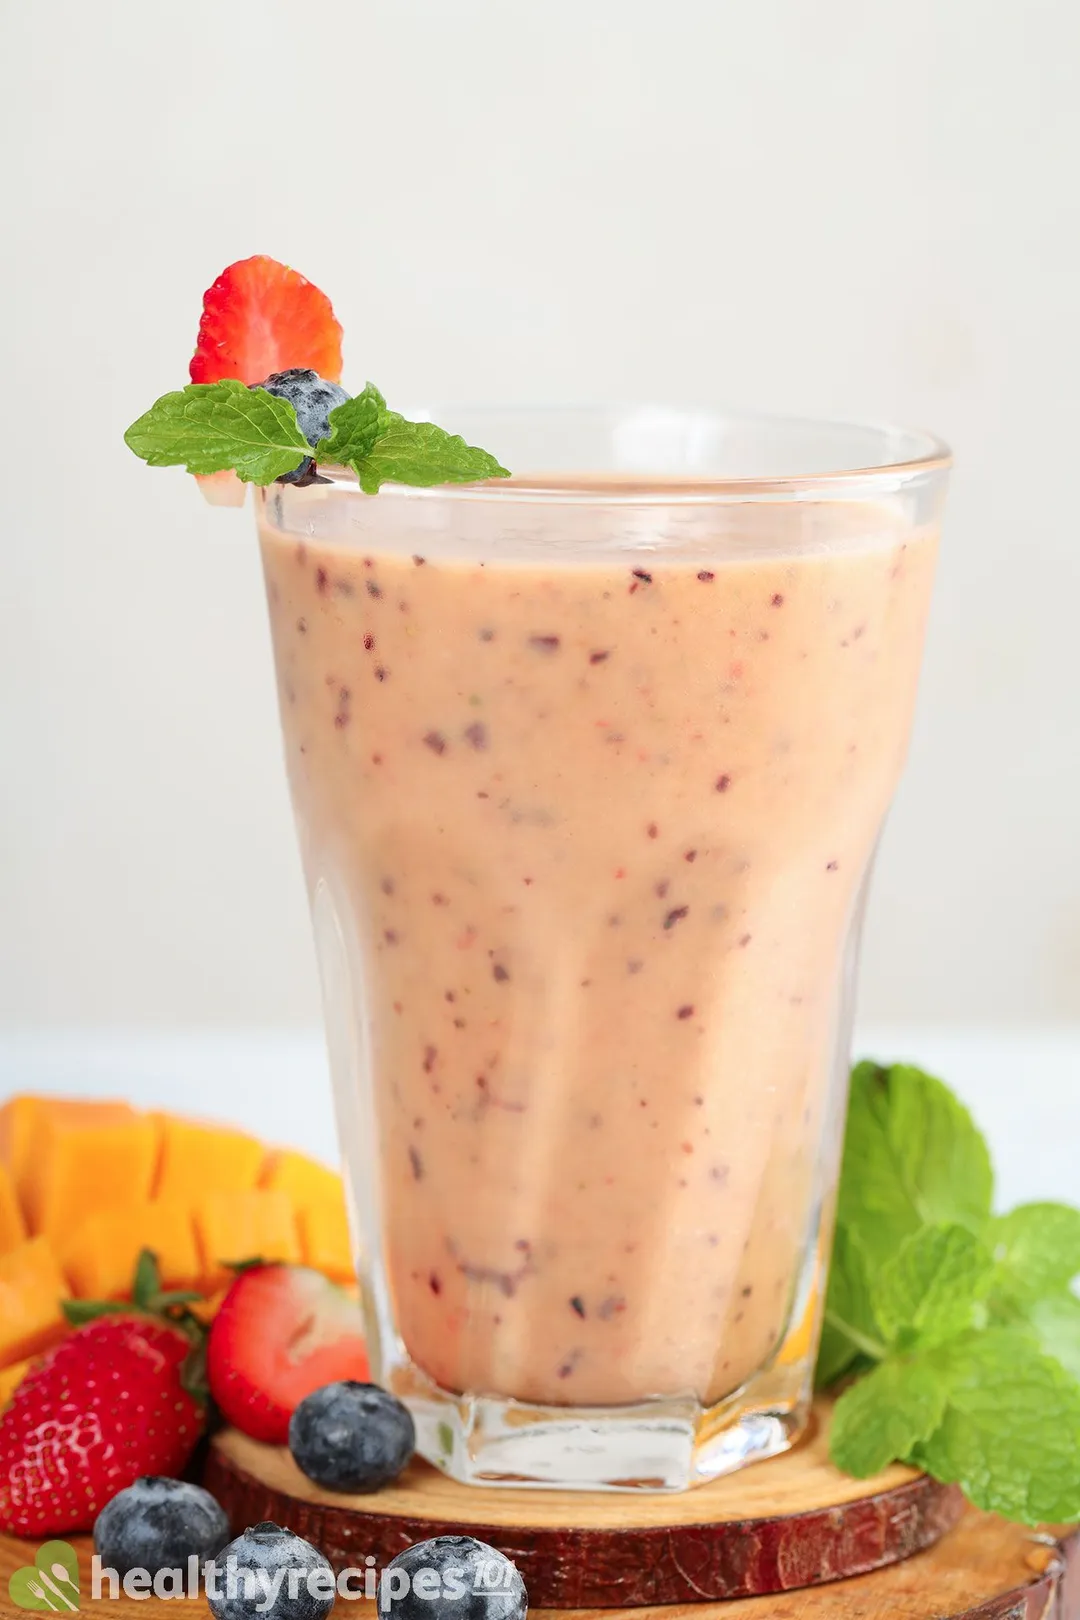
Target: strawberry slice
[[282, 1332], [260, 317]]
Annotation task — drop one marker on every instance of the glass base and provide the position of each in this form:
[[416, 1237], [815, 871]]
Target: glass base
[[664, 1444]]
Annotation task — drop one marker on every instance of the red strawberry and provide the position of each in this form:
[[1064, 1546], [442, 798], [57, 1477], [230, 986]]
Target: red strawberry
[[282, 1332], [260, 317], [106, 1406]]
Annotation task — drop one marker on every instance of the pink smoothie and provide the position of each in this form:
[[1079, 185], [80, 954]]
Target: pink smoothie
[[598, 826]]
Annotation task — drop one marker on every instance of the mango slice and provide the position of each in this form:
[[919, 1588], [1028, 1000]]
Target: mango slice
[[231, 1226], [12, 1225], [32, 1287], [99, 1256], [198, 1157], [86, 1156]]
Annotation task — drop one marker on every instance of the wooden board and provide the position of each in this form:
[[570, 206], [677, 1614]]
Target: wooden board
[[791, 1522], [982, 1570]]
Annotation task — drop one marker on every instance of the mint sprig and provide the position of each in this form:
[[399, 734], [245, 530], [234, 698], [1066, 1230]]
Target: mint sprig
[[957, 1330], [210, 427]]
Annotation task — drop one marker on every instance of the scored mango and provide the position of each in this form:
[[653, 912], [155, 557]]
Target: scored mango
[[198, 1157], [32, 1289], [99, 1257], [83, 1156], [12, 1225], [235, 1226]]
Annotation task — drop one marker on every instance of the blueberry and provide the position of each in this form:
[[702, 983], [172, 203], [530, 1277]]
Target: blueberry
[[351, 1437], [158, 1524], [313, 398], [270, 1573], [452, 1578]]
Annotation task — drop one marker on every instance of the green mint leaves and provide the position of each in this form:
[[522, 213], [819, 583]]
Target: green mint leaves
[[958, 1327], [208, 427], [418, 453]]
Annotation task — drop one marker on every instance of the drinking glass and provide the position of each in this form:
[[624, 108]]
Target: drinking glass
[[589, 766]]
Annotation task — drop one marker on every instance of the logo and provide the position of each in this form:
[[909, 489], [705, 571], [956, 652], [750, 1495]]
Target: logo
[[50, 1582]]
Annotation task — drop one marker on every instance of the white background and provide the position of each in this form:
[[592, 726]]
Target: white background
[[845, 207]]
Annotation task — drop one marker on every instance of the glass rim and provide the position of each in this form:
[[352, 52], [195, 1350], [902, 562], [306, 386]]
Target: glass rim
[[925, 454]]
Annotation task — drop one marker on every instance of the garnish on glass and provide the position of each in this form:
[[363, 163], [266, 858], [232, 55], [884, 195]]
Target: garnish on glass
[[265, 401]]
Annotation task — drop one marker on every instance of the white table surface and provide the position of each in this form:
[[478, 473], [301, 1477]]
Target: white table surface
[[1022, 1084]]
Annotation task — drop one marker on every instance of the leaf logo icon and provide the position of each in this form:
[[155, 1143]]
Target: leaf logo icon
[[50, 1583]]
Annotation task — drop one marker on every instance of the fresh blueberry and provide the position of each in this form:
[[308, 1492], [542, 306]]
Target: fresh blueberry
[[313, 399], [159, 1524], [270, 1573], [351, 1437], [452, 1578]]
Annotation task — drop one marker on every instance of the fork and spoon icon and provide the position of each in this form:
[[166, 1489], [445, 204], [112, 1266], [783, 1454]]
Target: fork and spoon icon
[[60, 1574]]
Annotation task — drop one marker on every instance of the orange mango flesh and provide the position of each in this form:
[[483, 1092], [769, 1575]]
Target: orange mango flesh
[[12, 1225], [198, 1158], [319, 1200], [325, 1241], [86, 1156], [32, 1287], [233, 1226], [17, 1118], [100, 1182], [100, 1254]]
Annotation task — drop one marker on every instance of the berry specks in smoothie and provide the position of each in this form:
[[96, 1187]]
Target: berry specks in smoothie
[[641, 575], [373, 588], [486, 634], [598, 657], [777, 599], [369, 642], [676, 914], [430, 1054], [686, 1011], [652, 830], [723, 782], [744, 941], [435, 1283], [381, 672], [435, 741], [832, 866], [477, 735], [691, 855], [499, 973], [706, 576], [416, 1164], [301, 625], [322, 581], [545, 644], [577, 1305]]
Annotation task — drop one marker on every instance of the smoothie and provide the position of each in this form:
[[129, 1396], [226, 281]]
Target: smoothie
[[597, 825]]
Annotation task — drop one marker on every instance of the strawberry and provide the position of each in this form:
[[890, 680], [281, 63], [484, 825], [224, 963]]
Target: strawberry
[[282, 1332], [260, 317], [107, 1406]]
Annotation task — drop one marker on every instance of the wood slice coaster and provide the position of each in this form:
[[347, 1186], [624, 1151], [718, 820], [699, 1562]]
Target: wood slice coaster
[[983, 1570], [791, 1522]]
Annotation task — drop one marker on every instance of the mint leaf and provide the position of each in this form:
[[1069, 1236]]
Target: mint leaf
[[1056, 1326], [354, 428], [1037, 1249], [1010, 1435], [421, 454], [885, 1415], [927, 1293], [850, 1328], [208, 427], [912, 1157]]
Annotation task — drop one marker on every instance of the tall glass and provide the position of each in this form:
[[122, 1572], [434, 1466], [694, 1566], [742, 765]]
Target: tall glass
[[588, 768]]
